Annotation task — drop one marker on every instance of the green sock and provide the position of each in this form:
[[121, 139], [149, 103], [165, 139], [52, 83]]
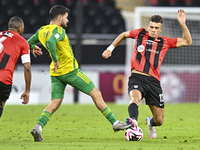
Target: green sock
[[44, 118], [109, 115]]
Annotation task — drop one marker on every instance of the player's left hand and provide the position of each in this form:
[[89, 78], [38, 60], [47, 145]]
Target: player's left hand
[[106, 54], [56, 65], [25, 97], [181, 16], [37, 50]]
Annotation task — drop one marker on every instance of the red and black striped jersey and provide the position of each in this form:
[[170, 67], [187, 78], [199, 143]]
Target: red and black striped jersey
[[12, 45], [148, 53]]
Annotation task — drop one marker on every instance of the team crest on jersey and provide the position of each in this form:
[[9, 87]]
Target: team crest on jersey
[[136, 86], [57, 36], [140, 48]]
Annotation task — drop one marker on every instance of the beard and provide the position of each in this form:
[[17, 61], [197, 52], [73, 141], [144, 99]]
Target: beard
[[63, 24]]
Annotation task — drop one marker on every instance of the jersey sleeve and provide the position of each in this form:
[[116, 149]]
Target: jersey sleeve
[[58, 34], [133, 33], [33, 40], [172, 42]]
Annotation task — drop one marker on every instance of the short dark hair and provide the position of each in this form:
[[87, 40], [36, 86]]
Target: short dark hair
[[15, 22], [156, 19], [57, 10]]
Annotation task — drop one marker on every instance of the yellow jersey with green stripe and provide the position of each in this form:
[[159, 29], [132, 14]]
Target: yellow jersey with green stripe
[[56, 41]]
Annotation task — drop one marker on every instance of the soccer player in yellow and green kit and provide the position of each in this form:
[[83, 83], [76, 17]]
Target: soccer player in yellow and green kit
[[64, 70]]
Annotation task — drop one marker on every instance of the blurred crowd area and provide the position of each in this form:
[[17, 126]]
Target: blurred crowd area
[[99, 16]]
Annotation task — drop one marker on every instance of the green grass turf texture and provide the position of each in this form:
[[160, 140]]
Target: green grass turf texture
[[83, 127]]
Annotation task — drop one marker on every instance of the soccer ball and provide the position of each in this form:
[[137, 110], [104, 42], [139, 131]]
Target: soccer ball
[[134, 134]]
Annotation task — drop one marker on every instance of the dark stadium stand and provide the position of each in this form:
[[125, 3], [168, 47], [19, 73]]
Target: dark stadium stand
[[35, 14], [184, 3], [100, 16], [194, 3], [60, 2], [179, 3], [163, 3]]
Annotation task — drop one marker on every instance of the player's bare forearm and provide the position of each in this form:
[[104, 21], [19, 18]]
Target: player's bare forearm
[[120, 38], [186, 34], [27, 76], [108, 52]]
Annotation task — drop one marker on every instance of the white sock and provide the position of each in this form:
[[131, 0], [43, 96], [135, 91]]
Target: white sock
[[116, 122], [39, 127]]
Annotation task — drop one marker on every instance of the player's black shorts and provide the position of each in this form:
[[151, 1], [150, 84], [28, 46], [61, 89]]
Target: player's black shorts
[[4, 91], [149, 87]]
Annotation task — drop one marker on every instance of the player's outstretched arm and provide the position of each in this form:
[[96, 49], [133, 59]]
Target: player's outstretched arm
[[27, 76], [108, 52], [32, 41], [186, 37]]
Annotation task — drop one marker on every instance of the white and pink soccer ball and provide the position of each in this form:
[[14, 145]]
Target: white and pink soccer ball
[[134, 134]]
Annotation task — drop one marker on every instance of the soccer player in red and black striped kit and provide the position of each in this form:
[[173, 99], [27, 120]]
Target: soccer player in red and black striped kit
[[147, 57], [13, 45]]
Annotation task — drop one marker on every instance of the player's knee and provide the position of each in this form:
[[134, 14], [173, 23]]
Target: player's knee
[[135, 100]]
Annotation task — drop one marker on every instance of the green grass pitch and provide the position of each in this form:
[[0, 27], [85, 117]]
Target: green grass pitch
[[83, 127]]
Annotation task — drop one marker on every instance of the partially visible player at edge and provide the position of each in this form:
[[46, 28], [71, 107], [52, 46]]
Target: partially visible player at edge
[[148, 54], [64, 70], [12, 45]]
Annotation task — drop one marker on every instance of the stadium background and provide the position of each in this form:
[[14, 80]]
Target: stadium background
[[102, 21]]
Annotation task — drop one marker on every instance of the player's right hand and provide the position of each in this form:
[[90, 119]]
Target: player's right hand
[[37, 50], [106, 54]]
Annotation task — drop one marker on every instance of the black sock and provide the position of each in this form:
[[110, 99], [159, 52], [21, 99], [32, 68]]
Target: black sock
[[1, 111], [152, 123], [133, 111]]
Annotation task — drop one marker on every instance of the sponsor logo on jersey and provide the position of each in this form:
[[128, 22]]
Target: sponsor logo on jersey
[[140, 48], [150, 50]]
